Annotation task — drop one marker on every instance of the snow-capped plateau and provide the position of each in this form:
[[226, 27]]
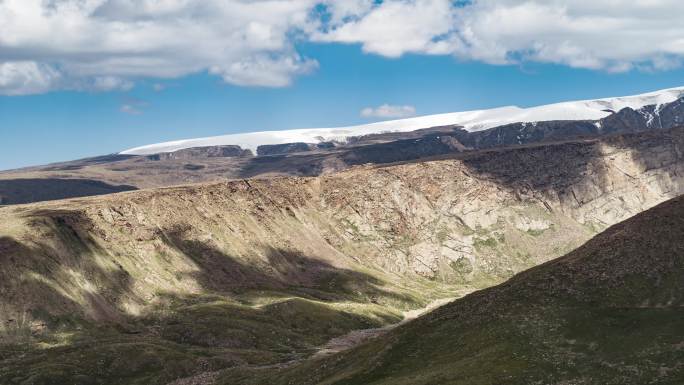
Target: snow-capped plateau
[[470, 120]]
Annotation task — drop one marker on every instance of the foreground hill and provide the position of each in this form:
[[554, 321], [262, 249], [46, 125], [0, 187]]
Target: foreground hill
[[610, 312], [150, 286]]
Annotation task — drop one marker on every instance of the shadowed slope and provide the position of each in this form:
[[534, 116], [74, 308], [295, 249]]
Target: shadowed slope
[[18, 191]]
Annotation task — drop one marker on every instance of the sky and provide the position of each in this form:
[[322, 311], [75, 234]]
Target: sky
[[81, 78]]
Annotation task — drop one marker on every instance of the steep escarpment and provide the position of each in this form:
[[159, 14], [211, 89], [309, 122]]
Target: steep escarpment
[[609, 312], [493, 213], [259, 272], [202, 153], [19, 191]]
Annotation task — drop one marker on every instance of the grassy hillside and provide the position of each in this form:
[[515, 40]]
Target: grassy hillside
[[610, 312]]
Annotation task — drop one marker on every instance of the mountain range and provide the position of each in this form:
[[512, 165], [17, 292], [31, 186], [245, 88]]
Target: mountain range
[[222, 158], [553, 242]]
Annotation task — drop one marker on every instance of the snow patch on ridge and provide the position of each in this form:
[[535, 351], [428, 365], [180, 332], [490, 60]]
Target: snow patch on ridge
[[470, 120]]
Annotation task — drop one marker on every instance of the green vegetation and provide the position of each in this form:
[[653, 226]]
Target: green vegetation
[[79, 281], [481, 243], [188, 336], [544, 345], [608, 313], [462, 267], [535, 232]]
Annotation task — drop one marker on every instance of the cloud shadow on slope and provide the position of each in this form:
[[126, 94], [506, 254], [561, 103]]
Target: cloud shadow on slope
[[221, 326], [19, 191]]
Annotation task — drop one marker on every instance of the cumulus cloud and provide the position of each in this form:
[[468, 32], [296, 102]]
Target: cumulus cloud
[[27, 77], [106, 45], [264, 70], [387, 111], [394, 28], [611, 35]]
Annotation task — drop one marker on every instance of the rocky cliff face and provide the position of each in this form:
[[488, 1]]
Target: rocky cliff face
[[279, 149], [450, 139], [19, 191], [392, 147], [649, 117], [203, 153], [627, 120], [474, 221], [494, 213]]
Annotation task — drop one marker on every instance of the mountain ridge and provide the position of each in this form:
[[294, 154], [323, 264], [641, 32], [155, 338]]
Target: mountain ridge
[[471, 121], [118, 172]]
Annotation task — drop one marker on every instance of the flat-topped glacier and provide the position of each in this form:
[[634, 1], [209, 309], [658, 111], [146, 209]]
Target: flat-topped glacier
[[470, 120]]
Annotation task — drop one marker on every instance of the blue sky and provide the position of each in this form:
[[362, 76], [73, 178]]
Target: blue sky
[[74, 97], [66, 125]]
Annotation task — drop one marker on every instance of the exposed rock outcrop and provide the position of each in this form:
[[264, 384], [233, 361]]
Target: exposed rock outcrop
[[287, 148], [202, 152]]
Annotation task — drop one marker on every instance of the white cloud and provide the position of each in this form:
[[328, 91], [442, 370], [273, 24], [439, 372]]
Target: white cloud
[[611, 35], [133, 106], [111, 83], [27, 77], [109, 44], [264, 70], [344, 11], [130, 109], [387, 111], [394, 28]]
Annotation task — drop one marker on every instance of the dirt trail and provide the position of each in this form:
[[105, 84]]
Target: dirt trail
[[356, 337], [335, 345], [206, 378]]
